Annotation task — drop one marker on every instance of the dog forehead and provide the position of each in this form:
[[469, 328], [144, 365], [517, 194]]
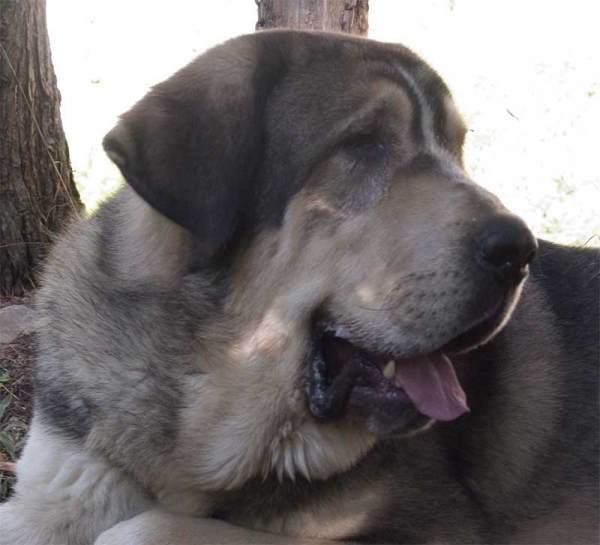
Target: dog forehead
[[303, 74], [293, 53]]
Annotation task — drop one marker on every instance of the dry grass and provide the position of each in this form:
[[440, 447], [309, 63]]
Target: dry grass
[[15, 402]]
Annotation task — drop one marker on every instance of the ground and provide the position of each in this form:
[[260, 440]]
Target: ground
[[15, 399]]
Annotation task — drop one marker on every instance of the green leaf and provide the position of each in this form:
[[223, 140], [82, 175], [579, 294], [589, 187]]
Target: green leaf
[[7, 442], [4, 377], [4, 403]]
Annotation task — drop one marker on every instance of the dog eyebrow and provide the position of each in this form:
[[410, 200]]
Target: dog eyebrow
[[366, 121], [427, 93], [423, 162], [402, 78]]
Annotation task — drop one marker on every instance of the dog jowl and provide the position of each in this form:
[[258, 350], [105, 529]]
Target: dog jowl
[[295, 263]]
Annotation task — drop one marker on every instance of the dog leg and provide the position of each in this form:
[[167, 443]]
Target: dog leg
[[160, 528], [65, 496]]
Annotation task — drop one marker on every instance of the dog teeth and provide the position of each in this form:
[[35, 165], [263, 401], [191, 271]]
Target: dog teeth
[[389, 370]]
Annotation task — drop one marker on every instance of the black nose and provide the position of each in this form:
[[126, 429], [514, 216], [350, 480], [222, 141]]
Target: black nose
[[506, 243]]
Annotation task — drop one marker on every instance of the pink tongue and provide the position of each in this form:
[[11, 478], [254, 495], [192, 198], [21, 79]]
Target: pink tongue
[[431, 384]]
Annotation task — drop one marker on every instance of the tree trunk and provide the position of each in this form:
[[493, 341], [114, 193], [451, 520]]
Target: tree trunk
[[37, 191], [349, 16]]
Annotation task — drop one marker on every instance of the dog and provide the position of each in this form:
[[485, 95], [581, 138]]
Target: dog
[[300, 320]]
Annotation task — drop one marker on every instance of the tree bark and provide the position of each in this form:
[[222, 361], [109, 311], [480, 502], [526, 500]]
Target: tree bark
[[349, 16], [37, 190]]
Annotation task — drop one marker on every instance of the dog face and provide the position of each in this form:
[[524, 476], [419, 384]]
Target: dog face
[[322, 176]]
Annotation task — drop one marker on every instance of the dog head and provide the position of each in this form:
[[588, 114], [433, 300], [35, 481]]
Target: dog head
[[322, 174]]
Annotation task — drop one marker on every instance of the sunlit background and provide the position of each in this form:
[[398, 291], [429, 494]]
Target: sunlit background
[[525, 73]]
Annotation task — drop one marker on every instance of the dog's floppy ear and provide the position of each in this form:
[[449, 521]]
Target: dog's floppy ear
[[191, 146]]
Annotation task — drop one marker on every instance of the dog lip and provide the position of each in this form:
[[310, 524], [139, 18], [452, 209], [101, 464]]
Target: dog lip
[[480, 331], [473, 335], [386, 393], [487, 326], [360, 394]]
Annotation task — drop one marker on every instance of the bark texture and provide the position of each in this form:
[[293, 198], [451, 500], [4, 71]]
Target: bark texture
[[37, 191], [349, 16]]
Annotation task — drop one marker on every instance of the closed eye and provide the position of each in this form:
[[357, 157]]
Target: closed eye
[[365, 148]]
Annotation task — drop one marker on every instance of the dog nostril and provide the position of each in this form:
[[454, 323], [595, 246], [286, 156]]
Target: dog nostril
[[506, 243]]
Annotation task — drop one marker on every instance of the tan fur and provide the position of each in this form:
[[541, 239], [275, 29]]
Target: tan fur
[[150, 245]]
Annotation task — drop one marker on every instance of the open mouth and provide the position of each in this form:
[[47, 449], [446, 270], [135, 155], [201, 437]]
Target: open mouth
[[385, 393]]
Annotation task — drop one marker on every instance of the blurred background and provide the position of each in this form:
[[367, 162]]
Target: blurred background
[[525, 74]]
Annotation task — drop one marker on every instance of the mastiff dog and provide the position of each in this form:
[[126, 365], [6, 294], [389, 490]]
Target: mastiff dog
[[300, 320]]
